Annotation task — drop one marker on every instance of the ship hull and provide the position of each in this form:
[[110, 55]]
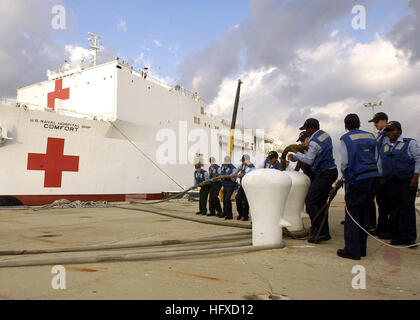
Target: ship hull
[[53, 156]]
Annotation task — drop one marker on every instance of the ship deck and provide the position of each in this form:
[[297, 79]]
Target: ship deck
[[299, 271]]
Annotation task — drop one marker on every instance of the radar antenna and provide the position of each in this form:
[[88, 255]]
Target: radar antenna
[[94, 45]]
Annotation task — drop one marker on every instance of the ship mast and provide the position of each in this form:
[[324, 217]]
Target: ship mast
[[94, 45]]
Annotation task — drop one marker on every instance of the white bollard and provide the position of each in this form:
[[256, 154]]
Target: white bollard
[[267, 191], [293, 212]]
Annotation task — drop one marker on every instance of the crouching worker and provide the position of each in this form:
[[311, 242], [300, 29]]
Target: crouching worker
[[241, 201], [271, 162], [201, 175], [399, 163], [358, 163]]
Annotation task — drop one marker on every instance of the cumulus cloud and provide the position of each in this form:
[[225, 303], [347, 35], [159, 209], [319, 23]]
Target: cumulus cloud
[[270, 37], [405, 34], [294, 64], [27, 45], [122, 25], [26, 49], [157, 43]]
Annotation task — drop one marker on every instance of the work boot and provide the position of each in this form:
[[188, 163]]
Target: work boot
[[385, 236], [398, 242], [320, 238], [343, 254], [211, 214], [239, 217], [197, 213], [228, 218], [245, 218], [372, 231]]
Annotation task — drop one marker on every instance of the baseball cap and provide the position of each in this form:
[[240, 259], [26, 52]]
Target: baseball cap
[[227, 159], [310, 123], [212, 160], [246, 157], [302, 137], [272, 155], [379, 116], [392, 125], [198, 165]]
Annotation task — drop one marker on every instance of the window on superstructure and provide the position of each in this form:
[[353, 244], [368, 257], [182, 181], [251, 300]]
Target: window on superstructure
[[202, 110]]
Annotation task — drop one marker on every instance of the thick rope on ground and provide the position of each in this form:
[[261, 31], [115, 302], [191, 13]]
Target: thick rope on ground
[[143, 244], [242, 248]]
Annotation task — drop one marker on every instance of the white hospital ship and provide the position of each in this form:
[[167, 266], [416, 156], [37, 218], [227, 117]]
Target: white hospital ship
[[100, 133]]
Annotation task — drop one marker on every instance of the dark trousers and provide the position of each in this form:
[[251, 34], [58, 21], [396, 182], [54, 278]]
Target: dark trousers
[[227, 203], [242, 203], [214, 202], [402, 206], [317, 197], [204, 192], [384, 221], [360, 197]]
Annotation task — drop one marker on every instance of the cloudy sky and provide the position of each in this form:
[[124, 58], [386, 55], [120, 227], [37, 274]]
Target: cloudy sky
[[297, 58]]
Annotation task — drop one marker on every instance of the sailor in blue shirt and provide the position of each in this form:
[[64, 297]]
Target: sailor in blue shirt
[[320, 158], [229, 186], [399, 164], [359, 167], [215, 186], [304, 141], [383, 230], [271, 162], [201, 175], [242, 205]]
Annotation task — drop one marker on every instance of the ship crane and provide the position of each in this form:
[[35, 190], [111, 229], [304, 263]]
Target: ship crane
[[233, 124]]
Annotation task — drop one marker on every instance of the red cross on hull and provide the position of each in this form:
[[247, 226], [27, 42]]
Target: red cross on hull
[[54, 163], [59, 93]]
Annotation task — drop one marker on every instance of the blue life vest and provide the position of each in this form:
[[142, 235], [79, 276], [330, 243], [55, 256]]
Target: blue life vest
[[244, 170], [396, 161], [361, 148], [325, 160], [380, 140], [268, 165], [213, 171], [227, 170], [199, 177]]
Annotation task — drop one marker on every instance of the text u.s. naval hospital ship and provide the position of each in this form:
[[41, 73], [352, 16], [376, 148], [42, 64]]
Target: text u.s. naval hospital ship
[[104, 133]]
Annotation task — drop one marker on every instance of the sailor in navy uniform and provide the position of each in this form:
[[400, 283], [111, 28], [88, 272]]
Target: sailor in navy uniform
[[201, 175], [271, 162], [400, 166], [320, 158], [304, 141], [383, 229], [359, 167], [215, 186], [242, 205], [229, 186]]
